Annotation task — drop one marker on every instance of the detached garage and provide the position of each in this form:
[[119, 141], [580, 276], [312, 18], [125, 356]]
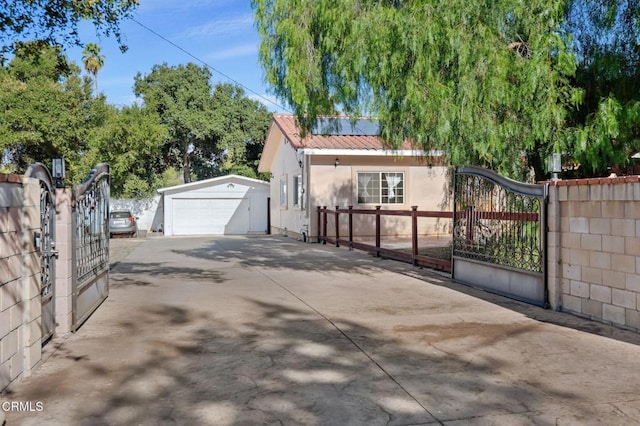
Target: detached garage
[[226, 205]]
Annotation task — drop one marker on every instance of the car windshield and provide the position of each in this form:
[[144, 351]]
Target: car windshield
[[120, 215]]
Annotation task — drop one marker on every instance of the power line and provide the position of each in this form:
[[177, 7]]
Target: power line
[[207, 65]]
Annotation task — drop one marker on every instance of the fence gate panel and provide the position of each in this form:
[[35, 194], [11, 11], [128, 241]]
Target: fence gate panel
[[499, 236], [90, 222], [46, 244]]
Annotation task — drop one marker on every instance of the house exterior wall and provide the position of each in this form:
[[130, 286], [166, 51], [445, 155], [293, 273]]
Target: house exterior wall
[[326, 184], [594, 249], [20, 313], [425, 187], [287, 218]]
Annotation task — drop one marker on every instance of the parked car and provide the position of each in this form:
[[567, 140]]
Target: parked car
[[122, 222]]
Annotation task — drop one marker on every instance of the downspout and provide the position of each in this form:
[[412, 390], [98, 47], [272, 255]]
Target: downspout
[[305, 193]]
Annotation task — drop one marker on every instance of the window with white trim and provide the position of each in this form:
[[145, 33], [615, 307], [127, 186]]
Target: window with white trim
[[380, 187], [283, 192], [297, 191]]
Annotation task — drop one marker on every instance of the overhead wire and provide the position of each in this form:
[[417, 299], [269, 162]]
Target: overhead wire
[[152, 31]]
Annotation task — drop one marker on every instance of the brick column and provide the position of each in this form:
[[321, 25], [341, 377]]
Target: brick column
[[64, 263]]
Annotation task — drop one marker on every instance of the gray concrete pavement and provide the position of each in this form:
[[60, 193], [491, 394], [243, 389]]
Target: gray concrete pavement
[[267, 330]]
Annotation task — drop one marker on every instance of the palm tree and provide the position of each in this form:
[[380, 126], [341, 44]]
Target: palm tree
[[92, 60]]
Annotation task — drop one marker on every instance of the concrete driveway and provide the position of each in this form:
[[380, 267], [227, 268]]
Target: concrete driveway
[[268, 330]]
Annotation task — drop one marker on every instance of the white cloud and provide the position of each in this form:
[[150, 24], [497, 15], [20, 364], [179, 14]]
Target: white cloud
[[234, 52], [220, 27]]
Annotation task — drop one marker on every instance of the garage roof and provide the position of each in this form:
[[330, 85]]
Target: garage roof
[[213, 181]]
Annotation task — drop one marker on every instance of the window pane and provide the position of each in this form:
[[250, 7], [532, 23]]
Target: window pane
[[368, 188], [392, 188]]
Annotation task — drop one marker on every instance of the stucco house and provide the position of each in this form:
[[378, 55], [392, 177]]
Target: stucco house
[[344, 163]]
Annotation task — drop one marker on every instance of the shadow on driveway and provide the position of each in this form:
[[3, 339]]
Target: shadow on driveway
[[285, 367]]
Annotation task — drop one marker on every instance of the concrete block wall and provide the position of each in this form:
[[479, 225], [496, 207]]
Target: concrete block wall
[[594, 249], [20, 305]]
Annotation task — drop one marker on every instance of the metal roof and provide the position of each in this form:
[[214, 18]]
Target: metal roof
[[345, 135]]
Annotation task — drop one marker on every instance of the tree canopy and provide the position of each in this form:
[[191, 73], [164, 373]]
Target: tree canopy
[[211, 130], [605, 40], [47, 109], [491, 83], [56, 22]]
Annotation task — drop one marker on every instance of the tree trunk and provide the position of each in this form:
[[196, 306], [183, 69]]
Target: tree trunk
[[186, 167]]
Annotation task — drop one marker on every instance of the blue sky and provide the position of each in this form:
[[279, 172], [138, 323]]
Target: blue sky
[[218, 32]]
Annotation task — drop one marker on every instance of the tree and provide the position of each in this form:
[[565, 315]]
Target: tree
[[606, 126], [211, 132], [131, 141], [56, 22], [485, 81], [47, 108], [92, 61], [240, 128], [181, 96]]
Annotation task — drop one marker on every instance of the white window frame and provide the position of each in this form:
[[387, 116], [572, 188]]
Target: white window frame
[[380, 186], [283, 192], [298, 200]]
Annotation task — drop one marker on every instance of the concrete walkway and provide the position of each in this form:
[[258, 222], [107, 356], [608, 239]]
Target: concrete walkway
[[268, 330]]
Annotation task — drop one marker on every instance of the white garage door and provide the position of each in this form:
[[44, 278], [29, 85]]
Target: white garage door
[[211, 216]]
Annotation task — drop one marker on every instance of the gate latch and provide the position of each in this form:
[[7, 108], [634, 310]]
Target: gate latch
[[37, 239]]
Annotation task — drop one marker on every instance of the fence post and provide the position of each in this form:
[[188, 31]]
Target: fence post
[[319, 226], [324, 225], [337, 213], [414, 234], [378, 231], [350, 228], [469, 226]]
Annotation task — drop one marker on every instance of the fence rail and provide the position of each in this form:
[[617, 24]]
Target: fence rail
[[413, 257]]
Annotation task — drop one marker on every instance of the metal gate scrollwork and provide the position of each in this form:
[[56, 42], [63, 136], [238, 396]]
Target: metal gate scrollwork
[[499, 234], [90, 219], [47, 247]]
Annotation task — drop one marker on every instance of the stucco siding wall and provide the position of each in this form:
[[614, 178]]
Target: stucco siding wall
[[594, 249], [287, 218], [425, 187]]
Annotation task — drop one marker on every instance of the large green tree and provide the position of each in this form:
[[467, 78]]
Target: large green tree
[[212, 130], [485, 81], [181, 96], [131, 141], [240, 127], [48, 109], [57, 21], [605, 38]]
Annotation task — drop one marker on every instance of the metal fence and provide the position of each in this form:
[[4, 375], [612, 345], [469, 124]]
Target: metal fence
[[90, 222], [499, 225]]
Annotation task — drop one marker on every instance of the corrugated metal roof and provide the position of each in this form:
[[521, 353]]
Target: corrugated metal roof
[[335, 133]]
